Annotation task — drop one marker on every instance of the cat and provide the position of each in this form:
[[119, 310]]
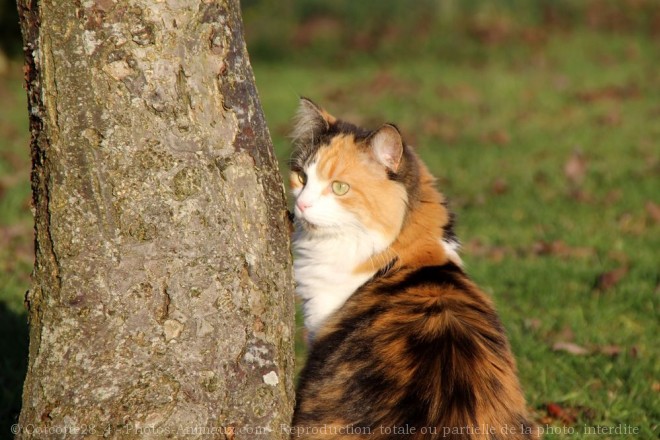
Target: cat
[[402, 343]]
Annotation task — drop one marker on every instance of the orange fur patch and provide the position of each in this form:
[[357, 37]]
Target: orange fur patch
[[378, 202], [418, 242]]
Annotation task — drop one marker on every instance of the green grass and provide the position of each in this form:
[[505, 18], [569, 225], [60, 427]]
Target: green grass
[[497, 133], [16, 254], [496, 125]]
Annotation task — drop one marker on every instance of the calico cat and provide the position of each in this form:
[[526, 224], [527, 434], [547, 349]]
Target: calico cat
[[403, 344]]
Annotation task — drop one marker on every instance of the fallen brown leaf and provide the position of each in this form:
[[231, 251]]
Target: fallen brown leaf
[[543, 248], [575, 168], [557, 412], [499, 186], [634, 352], [607, 280], [610, 350], [497, 137], [581, 196], [466, 93], [566, 334], [441, 127], [386, 82], [495, 253], [567, 415], [616, 93], [561, 249], [653, 210], [534, 36], [618, 256], [570, 347], [493, 31]]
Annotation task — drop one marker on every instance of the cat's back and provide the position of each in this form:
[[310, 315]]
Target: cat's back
[[418, 347]]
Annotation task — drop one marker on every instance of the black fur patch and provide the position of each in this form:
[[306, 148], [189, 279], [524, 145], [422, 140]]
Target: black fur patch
[[449, 235], [303, 155], [447, 274], [384, 271]]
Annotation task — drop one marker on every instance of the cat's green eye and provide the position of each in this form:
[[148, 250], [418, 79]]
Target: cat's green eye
[[340, 188], [302, 178]]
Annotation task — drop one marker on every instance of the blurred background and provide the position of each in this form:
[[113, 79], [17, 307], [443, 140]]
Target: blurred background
[[540, 120]]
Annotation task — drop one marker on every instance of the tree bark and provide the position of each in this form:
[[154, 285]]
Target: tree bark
[[161, 304]]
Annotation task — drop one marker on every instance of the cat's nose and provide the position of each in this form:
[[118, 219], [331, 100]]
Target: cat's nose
[[302, 205]]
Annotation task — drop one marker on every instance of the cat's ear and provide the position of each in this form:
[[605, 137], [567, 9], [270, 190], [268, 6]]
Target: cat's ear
[[310, 121], [387, 146]]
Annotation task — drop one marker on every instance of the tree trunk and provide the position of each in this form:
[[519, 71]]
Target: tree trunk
[[161, 305]]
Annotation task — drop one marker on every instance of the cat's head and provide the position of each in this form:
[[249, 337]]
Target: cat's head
[[347, 178]]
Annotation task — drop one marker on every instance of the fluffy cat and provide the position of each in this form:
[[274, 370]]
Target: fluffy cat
[[403, 344]]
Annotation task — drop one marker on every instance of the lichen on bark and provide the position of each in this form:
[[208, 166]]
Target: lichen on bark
[[161, 300]]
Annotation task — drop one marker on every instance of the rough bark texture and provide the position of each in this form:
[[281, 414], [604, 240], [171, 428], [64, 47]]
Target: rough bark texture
[[162, 297]]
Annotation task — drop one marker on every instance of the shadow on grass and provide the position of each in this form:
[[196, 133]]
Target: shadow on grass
[[13, 365]]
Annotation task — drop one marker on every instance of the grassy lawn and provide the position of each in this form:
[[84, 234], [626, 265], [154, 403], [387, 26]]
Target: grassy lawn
[[16, 245], [552, 162], [550, 154]]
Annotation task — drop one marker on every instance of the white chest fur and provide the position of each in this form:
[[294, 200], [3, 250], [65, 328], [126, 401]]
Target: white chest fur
[[324, 271]]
